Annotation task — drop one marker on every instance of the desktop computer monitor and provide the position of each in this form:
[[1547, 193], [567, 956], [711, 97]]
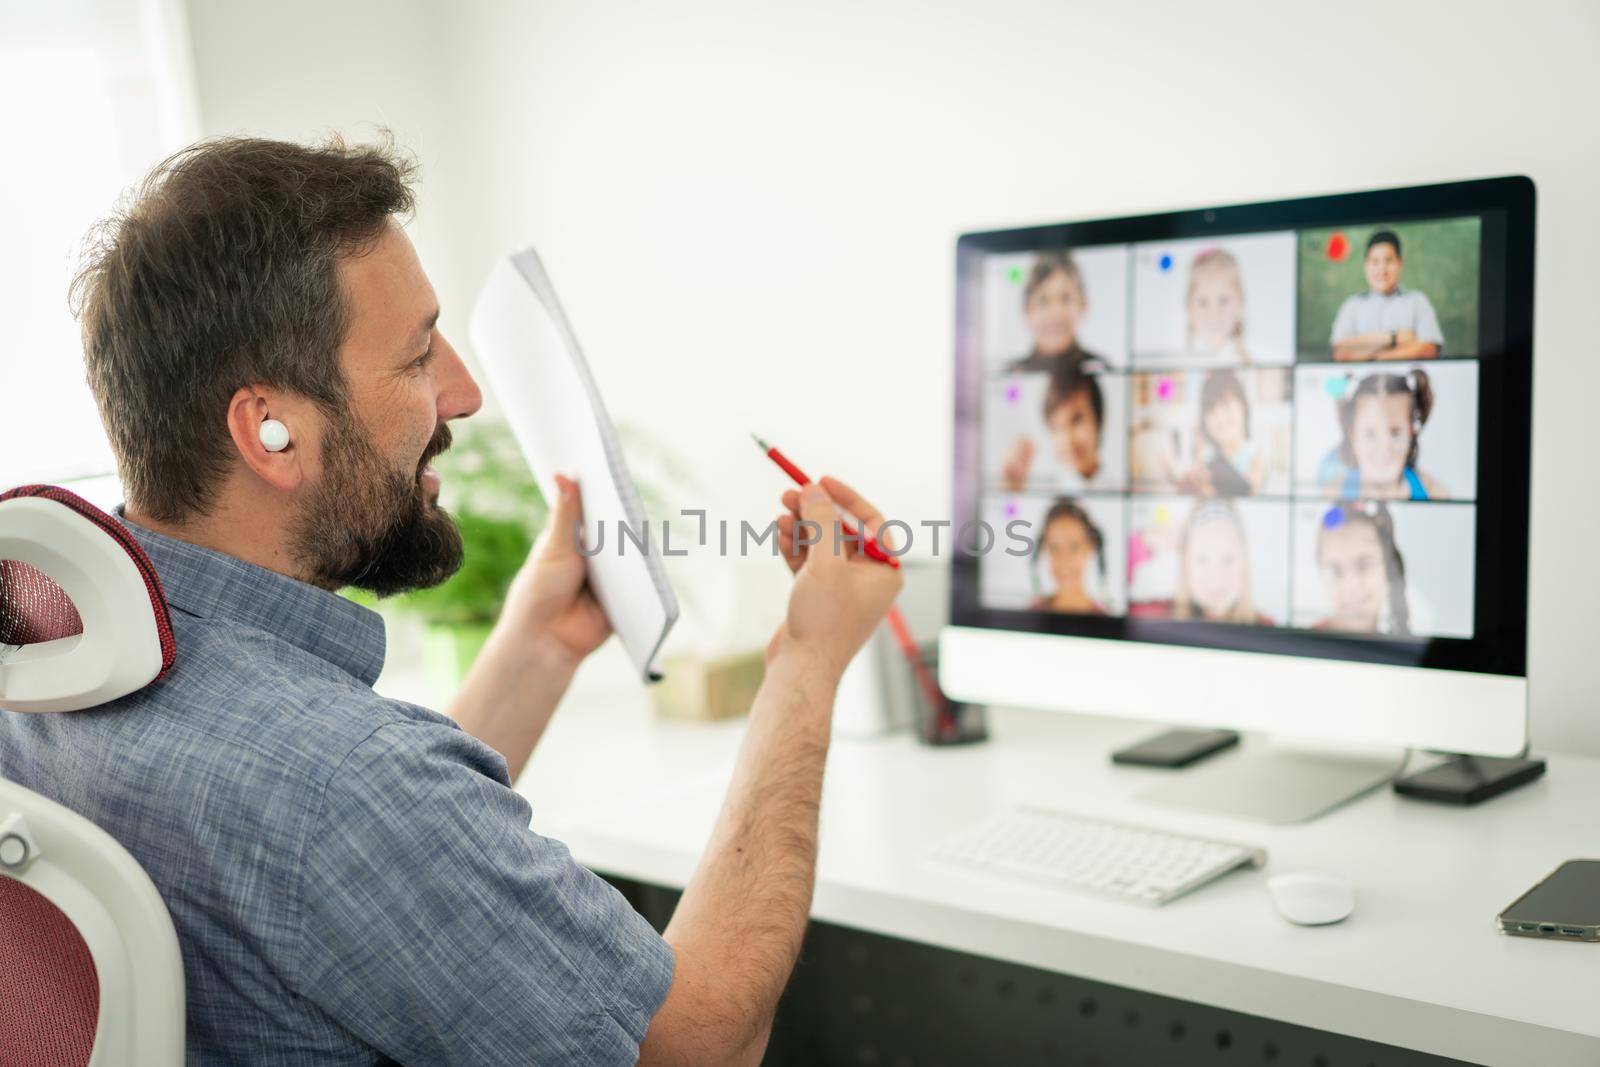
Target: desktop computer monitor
[[1260, 466]]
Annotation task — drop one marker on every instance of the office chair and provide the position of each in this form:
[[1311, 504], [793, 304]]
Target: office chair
[[90, 969]]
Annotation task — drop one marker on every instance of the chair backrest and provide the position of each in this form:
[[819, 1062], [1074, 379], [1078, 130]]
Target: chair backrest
[[82, 617], [46, 959], [90, 970]]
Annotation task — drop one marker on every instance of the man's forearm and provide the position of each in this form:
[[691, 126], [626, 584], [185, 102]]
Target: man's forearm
[[1409, 350], [1361, 346], [508, 696], [743, 915]]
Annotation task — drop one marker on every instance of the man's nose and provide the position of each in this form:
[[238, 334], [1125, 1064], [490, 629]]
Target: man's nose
[[460, 396]]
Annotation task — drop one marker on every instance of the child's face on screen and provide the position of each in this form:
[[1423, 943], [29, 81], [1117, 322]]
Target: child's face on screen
[[1383, 268], [1075, 433], [1224, 424], [1380, 435], [1214, 562], [1354, 579], [1053, 313], [1216, 309], [1068, 548]]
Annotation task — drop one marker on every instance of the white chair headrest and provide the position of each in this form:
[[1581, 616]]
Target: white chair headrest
[[83, 619]]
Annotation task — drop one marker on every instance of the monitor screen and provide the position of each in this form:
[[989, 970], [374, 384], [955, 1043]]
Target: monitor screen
[[1299, 427]]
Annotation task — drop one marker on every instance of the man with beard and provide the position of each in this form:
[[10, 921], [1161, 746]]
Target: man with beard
[[353, 879]]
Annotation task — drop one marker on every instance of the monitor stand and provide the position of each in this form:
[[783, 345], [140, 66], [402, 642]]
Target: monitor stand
[[1279, 780]]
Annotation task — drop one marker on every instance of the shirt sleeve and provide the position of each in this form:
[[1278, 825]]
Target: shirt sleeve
[[1427, 326], [439, 929], [1344, 323]]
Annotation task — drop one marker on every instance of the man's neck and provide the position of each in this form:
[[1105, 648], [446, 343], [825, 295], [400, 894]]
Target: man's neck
[[257, 548]]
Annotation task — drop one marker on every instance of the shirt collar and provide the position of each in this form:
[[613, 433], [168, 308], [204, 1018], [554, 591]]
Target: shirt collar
[[211, 585]]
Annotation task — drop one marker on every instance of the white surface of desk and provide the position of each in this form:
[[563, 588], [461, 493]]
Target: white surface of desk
[[1419, 964]]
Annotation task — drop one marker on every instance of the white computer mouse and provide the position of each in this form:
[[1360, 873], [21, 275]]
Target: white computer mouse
[[1310, 898]]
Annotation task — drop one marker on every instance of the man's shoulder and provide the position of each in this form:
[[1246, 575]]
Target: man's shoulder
[[1351, 303], [247, 696]]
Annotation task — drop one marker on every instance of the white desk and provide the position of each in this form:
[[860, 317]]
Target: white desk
[[1419, 965]]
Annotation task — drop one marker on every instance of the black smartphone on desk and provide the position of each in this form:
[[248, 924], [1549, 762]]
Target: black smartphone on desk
[[1566, 905], [1175, 748]]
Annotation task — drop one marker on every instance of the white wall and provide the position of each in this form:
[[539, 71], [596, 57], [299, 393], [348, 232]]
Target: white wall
[[108, 91], [751, 208], [303, 70]]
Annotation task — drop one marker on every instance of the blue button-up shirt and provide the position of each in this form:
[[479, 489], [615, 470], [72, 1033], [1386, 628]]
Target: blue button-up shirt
[[352, 878]]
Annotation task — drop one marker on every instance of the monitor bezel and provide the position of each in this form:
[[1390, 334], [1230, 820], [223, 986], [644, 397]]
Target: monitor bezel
[[1505, 360]]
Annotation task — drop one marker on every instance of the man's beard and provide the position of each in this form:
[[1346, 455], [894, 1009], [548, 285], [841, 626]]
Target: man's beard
[[369, 526]]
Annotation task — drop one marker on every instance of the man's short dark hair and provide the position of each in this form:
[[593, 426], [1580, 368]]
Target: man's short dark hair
[[1385, 237], [221, 271]]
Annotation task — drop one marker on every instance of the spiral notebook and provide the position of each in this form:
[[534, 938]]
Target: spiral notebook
[[536, 370]]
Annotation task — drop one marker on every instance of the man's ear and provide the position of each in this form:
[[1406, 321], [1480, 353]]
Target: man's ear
[[248, 409]]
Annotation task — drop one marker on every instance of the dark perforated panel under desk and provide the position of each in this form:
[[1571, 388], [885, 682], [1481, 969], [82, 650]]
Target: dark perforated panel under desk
[[864, 1000]]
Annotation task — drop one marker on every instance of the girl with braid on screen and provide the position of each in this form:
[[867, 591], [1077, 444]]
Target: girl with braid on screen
[[1382, 420], [1363, 575]]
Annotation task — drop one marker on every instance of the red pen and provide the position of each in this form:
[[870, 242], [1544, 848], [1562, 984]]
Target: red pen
[[944, 714], [869, 544]]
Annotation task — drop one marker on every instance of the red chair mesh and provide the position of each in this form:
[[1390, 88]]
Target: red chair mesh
[[49, 612], [51, 997], [33, 609]]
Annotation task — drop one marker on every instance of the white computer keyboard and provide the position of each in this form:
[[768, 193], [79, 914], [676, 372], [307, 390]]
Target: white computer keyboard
[[1115, 859]]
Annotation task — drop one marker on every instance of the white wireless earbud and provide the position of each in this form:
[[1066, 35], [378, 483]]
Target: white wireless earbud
[[274, 436]]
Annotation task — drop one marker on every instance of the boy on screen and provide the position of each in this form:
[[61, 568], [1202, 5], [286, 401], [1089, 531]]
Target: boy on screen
[[1074, 412], [1386, 321]]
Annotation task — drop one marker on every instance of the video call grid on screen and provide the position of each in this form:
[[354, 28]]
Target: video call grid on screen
[[1259, 437]]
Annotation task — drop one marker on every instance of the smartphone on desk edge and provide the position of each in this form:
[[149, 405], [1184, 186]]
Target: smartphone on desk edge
[[1564, 906]]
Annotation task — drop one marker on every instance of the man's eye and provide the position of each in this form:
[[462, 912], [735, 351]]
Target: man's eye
[[422, 360]]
